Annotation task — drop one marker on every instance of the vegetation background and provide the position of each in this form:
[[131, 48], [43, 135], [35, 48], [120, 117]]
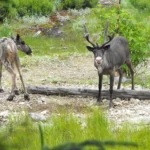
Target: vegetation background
[[27, 17]]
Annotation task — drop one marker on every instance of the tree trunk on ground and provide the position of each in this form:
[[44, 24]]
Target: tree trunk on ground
[[123, 94]]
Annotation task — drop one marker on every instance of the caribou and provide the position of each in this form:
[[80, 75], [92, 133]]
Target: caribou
[[109, 58], [9, 57]]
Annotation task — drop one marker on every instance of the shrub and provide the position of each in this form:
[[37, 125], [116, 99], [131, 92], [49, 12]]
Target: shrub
[[141, 4], [4, 8], [35, 19], [77, 4], [90, 4], [13, 8], [32, 7], [137, 32], [5, 30]]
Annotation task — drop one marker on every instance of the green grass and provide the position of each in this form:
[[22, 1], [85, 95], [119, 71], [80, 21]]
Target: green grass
[[143, 79], [67, 127], [67, 45]]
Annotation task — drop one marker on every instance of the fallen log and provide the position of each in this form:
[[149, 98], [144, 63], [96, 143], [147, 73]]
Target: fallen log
[[63, 91]]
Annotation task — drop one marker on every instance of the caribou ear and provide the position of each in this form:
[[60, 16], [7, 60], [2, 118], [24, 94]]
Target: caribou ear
[[106, 47], [17, 37], [90, 48]]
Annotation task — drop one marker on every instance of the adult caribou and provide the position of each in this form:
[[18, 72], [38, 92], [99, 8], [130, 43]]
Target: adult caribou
[[109, 58], [9, 57]]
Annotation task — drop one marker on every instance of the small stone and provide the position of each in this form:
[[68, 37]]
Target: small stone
[[22, 103], [133, 100], [38, 116], [4, 114]]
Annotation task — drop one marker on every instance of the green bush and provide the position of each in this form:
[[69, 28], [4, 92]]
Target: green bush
[[4, 8], [14, 8], [90, 4], [77, 4], [32, 7], [141, 4], [5, 29], [137, 32]]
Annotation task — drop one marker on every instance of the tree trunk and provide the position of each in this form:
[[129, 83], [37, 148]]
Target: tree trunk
[[123, 94]]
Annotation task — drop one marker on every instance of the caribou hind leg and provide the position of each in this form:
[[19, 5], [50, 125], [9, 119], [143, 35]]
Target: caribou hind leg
[[16, 91], [111, 89], [120, 71], [17, 62], [130, 66]]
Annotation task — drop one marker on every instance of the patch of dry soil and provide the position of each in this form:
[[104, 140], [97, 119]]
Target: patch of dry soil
[[72, 72]]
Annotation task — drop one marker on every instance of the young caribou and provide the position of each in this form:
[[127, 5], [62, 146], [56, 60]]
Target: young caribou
[[9, 57]]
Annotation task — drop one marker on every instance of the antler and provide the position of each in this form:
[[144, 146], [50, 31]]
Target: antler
[[106, 30], [87, 35], [105, 35], [110, 38]]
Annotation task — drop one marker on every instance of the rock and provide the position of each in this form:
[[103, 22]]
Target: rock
[[42, 116], [139, 119], [37, 33], [63, 19], [108, 2], [4, 117], [4, 114], [135, 101], [55, 31]]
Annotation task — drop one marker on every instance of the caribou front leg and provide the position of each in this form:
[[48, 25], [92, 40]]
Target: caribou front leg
[[26, 95], [99, 100], [111, 89]]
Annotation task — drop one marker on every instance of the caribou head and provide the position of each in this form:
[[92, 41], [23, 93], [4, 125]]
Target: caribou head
[[21, 45], [98, 50]]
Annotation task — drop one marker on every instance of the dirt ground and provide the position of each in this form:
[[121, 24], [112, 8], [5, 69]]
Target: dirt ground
[[76, 71]]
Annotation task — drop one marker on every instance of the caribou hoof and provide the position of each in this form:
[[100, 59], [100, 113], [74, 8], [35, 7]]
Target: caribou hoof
[[11, 97], [16, 92], [111, 105], [1, 90], [26, 97], [99, 102]]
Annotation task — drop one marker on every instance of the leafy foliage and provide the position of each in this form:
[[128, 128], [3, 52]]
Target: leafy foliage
[[141, 4], [77, 4], [5, 30], [13, 8], [4, 8], [29, 7], [137, 32]]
